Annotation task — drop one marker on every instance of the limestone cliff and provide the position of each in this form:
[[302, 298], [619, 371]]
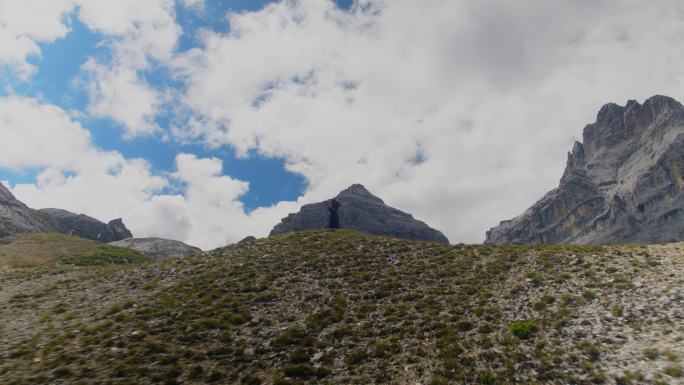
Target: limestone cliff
[[623, 183]]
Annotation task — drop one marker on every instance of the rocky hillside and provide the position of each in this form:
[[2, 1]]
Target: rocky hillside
[[341, 307], [361, 211], [157, 248], [16, 218], [623, 183]]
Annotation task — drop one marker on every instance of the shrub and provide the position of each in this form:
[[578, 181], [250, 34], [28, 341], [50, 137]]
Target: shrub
[[589, 295], [464, 326], [356, 357], [674, 371], [438, 380], [299, 371], [250, 380], [293, 336], [651, 353], [524, 329]]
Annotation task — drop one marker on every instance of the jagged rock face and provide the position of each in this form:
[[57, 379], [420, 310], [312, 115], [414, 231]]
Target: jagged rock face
[[157, 248], [361, 211], [119, 230], [624, 183], [16, 217], [87, 227]]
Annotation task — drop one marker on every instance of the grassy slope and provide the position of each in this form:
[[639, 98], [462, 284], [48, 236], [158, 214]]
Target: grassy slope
[[342, 307], [32, 249]]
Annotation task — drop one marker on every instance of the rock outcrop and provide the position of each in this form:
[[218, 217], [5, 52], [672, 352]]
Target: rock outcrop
[[623, 183], [16, 217], [86, 227], [361, 211], [247, 239], [157, 248]]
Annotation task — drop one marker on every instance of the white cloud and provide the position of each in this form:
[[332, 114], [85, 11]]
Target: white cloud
[[39, 135], [142, 35], [77, 176], [459, 112], [24, 24], [490, 93], [115, 92]]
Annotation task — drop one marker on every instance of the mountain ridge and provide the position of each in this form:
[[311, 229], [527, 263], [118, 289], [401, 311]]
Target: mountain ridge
[[16, 217], [622, 183]]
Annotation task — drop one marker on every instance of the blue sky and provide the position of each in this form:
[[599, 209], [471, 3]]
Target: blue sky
[[56, 82], [458, 112]]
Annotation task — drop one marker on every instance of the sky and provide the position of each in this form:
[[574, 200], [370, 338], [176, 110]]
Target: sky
[[209, 120]]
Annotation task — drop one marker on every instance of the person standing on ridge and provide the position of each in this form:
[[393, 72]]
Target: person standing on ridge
[[334, 214]]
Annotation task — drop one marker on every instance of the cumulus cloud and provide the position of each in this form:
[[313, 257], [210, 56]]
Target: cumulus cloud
[[459, 112], [25, 24], [39, 135], [141, 36], [195, 204]]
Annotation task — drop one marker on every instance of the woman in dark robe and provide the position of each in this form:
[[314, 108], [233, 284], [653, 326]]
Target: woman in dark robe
[[334, 214]]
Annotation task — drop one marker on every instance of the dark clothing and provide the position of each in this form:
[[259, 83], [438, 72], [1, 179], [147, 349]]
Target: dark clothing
[[334, 214], [334, 218]]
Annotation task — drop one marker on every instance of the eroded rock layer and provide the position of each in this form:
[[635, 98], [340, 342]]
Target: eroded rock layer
[[623, 183]]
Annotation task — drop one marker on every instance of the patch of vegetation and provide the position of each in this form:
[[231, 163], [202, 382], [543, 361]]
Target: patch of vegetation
[[107, 255], [524, 329]]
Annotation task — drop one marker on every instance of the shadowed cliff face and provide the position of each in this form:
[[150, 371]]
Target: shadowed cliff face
[[16, 217], [623, 183], [361, 211], [87, 227]]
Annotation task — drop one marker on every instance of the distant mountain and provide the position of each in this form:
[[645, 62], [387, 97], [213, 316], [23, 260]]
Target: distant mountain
[[86, 227], [361, 211], [16, 217], [623, 183], [157, 248]]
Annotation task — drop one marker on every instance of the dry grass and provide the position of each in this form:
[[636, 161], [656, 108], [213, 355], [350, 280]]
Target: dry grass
[[341, 307], [35, 249]]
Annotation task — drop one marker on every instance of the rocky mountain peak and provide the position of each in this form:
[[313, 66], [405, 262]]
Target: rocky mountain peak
[[363, 211], [358, 191], [624, 183], [16, 217], [5, 194], [119, 230], [617, 124]]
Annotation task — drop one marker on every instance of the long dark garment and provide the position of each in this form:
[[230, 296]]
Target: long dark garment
[[334, 214]]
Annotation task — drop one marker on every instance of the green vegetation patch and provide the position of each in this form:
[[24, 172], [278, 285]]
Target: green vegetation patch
[[524, 329], [107, 255]]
